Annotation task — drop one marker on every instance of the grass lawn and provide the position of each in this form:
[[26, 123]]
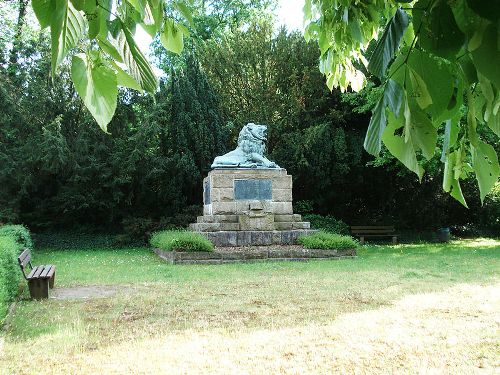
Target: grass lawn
[[429, 307]]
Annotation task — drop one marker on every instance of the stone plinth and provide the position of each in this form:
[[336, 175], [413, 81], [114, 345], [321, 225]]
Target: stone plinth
[[246, 207]]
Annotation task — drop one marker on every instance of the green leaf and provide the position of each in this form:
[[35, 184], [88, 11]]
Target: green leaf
[[485, 163], [439, 32], [124, 79], [104, 16], [87, 6], [392, 97], [185, 11], [66, 29], [450, 183], [421, 94], [96, 85], [423, 133], [437, 78], [388, 43], [403, 151], [486, 8], [110, 49], [94, 24], [43, 11], [487, 55], [172, 37], [450, 136], [138, 66]]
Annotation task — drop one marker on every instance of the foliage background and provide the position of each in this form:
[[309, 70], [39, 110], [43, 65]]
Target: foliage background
[[60, 171]]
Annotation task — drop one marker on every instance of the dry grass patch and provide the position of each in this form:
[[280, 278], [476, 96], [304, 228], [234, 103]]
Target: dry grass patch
[[455, 331]]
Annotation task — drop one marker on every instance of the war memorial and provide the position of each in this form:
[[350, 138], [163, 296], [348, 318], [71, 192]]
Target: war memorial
[[247, 199]]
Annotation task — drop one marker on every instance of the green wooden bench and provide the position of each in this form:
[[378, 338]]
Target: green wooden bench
[[380, 231], [40, 278]]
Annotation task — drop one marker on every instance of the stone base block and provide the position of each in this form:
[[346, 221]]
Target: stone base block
[[256, 238], [253, 254]]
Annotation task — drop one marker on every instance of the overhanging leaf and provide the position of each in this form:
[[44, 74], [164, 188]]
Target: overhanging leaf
[[172, 37], [66, 28], [388, 43], [392, 97], [403, 151], [487, 55], [43, 11], [96, 85], [450, 183], [420, 92], [450, 136], [138, 66], [124, 79], [485, 163]]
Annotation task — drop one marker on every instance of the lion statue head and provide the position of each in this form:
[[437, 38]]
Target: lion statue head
[[250, 150], [252, 138]]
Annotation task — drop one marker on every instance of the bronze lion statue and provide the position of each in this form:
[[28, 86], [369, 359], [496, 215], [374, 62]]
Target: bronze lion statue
[[250, 150]]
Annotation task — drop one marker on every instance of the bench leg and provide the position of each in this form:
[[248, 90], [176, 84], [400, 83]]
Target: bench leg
[[362, 240], [39, 288], [394, 240], [51, 281]]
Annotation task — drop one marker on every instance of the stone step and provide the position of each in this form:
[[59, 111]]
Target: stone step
[[217, 219], [287, 218], [214, 227], [287, 225]]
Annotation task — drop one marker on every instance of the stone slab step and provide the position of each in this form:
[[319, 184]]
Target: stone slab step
[[284, 225], [255, 238], [217, 219], [213, 227]]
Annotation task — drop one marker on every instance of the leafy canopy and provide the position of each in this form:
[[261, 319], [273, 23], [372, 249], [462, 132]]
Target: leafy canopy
[[432, 56], [100, 36]]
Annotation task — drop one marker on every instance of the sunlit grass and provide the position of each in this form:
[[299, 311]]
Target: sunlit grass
[[156, 300]]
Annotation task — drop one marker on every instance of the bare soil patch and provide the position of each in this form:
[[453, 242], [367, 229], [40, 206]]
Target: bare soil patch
[[89, 291]]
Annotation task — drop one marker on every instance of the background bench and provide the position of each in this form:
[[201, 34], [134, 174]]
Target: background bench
[[40, 278], [374, 231]]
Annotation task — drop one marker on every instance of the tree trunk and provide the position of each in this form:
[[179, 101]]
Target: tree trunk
[[16, 45]]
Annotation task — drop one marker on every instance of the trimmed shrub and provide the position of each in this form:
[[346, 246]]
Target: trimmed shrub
[[19, 233], [327, 223], [327, 241], [177, 240], [10, 273]]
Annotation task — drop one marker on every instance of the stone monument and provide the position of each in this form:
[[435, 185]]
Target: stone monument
[[247, 199]]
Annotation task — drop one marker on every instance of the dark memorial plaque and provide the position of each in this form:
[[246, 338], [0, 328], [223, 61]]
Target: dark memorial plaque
[[206, 193], [253, 189]]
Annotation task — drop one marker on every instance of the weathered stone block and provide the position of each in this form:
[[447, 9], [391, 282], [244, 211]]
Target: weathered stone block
[[222, 195], [276, 237], [283, 225], [297, 217], [258, 222], [282, 195], [283, 218], [282, 182], [223, 208], [282, 208], [244, 238], [229, 226], [261, 238], [222, 181], [301, 225], [318, 253]]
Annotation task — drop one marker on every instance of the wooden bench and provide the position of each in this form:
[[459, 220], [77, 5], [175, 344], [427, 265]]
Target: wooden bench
[[374, 231], [40, 278]]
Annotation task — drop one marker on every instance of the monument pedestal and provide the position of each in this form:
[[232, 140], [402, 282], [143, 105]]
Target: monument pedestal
[[249, 207]]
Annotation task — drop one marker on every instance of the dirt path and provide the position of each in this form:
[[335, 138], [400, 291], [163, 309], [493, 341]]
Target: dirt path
[[86, 292], [453, 332]]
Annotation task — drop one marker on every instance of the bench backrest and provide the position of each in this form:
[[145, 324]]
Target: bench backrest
[[24, 259], [374, 229]]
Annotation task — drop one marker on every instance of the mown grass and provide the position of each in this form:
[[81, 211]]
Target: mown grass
[[156, 298], [180, 240]]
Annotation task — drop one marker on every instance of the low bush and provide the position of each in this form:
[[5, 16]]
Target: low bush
[[327, 223], [19, 233], [178, 240], [10, 274], [327, 241]]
